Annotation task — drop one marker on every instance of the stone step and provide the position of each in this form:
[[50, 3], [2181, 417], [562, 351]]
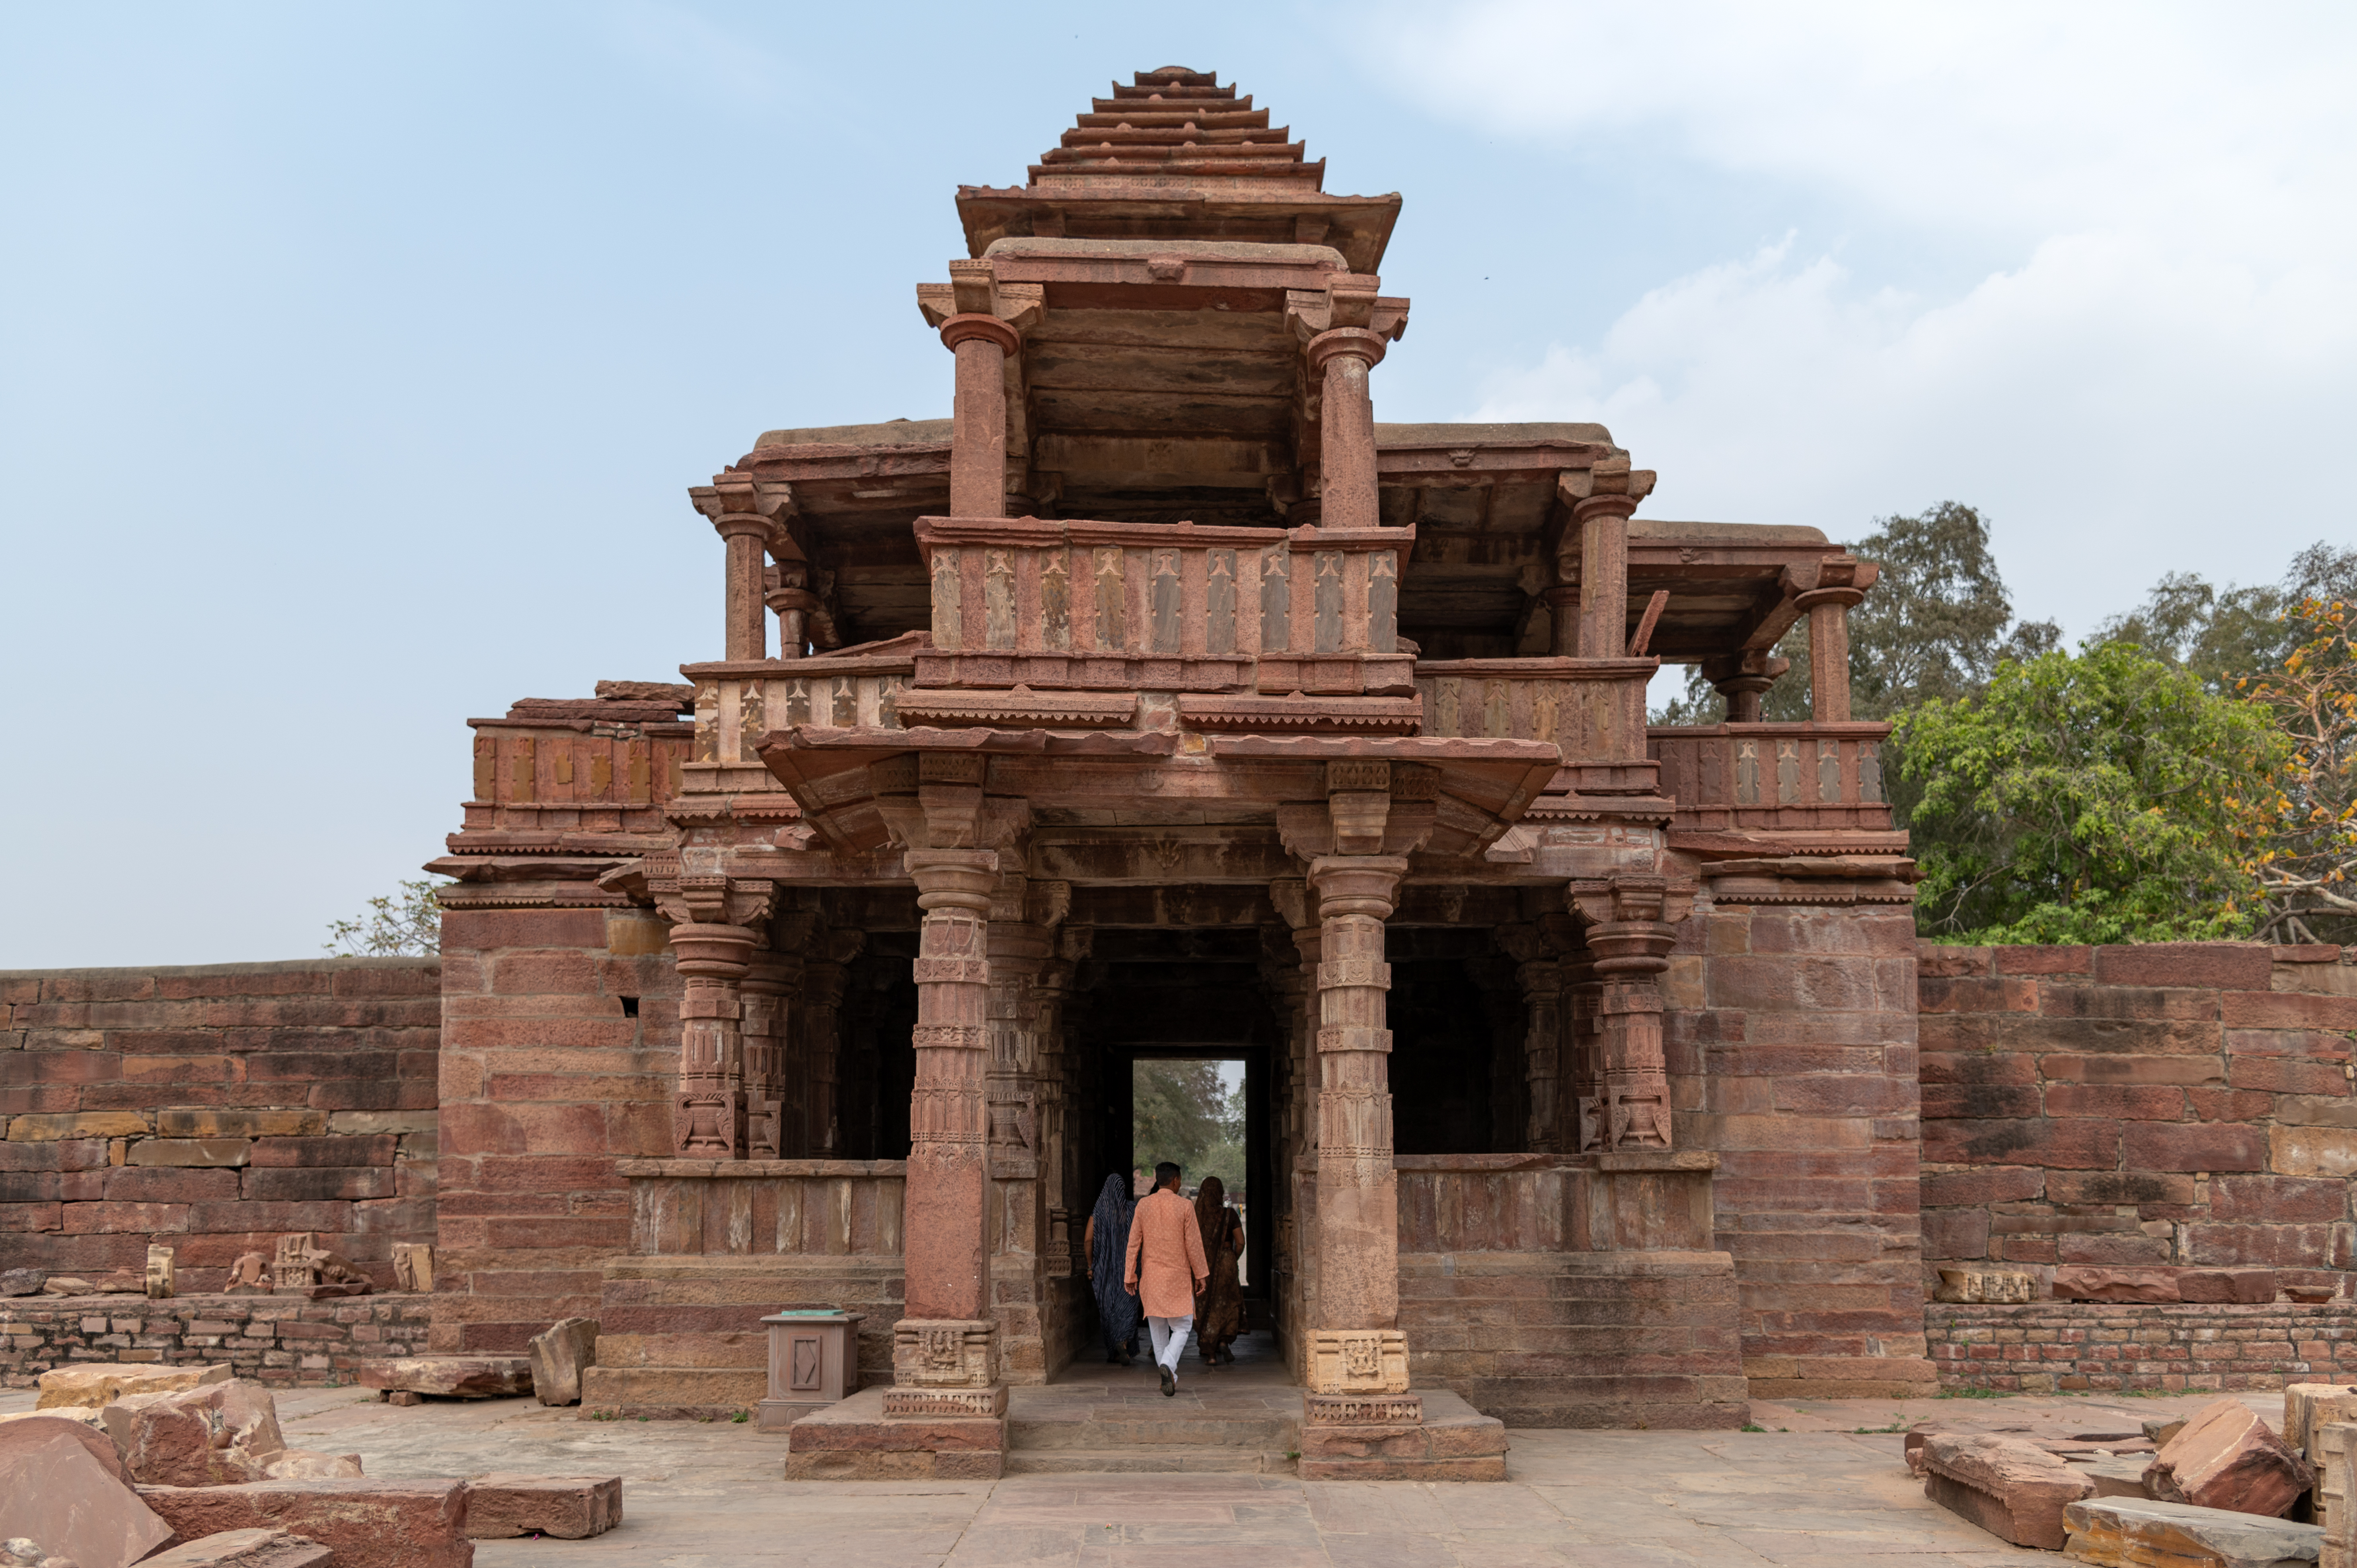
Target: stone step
[[1150, 1432], [1161, 1459], [670, 1392]]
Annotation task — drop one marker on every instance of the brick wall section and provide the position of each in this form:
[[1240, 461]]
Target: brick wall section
[[546, 1081], [264, 1337], [2045, 1346], [1791, 1038], [215, 1108], [2170, 1104]]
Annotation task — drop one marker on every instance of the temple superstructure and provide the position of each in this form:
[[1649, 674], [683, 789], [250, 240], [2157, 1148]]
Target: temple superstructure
[[1163, 699]]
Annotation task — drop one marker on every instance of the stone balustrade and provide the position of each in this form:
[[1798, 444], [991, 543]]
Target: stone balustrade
[[765, 1208], [1792, 777], [1594, 709]]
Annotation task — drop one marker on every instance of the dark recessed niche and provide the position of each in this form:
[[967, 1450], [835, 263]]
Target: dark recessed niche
[[630, 1007]]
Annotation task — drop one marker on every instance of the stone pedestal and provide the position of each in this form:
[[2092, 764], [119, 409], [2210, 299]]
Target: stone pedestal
[[813, 1363]]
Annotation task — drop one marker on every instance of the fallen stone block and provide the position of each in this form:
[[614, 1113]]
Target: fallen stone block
[[450, 1377], [2015, 1490], [2083, 1282], [306, 1465], [30, 1430], [2228, 1458], [570, 1507], [367, 1524], [244, 1549], [559, 1355], [21, 1281], [209, 1436], [104, 1382], [2161, 1428], [2124, 1532], [55, 1491], [2251, 1288]]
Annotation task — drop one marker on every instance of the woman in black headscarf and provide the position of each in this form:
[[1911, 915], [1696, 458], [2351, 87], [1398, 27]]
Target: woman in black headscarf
[[1106, 1241]]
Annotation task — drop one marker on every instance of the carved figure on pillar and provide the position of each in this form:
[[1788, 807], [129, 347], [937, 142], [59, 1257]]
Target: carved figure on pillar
[[1624, 1093]]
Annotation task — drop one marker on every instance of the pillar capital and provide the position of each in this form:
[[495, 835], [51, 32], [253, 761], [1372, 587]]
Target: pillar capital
[[953, 878], [971, 326], [1357, 884], [714, 951], [1358, 342]]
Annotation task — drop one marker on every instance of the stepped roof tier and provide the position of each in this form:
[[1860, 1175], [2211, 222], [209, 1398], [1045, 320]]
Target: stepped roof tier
[[1175, 156]]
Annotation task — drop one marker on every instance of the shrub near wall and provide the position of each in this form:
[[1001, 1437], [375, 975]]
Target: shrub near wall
[[214, 1109], [2173, 1104]]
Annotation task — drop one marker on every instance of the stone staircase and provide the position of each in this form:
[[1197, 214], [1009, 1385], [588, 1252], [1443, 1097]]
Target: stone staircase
[[1243, 1419]]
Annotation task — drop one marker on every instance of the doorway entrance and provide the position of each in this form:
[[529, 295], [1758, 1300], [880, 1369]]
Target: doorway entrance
[[1205, 1108]]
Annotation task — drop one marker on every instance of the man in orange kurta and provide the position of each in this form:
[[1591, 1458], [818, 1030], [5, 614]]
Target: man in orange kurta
[[1166, 1268]]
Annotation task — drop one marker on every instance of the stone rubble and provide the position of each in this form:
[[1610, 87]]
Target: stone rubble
[[244, 1549], [54, 1489], [559, 1355], [2015, 1490], [2125, 1533], [2228, 1458], [567, 1508], [367, 1524], [102, 1382]]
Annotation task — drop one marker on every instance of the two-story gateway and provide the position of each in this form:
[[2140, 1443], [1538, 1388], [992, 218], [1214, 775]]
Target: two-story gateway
[[1163, 700]]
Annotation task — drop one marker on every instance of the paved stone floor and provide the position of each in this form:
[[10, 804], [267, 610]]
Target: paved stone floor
[[1811, 1489]]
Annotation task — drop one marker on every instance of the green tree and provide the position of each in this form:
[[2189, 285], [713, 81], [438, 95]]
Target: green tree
[[2309, 863], [1183, 1112], [2233, 634], [2105, 796], [406, 924]]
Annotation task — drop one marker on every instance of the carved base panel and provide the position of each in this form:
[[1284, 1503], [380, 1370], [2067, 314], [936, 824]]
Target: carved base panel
[[934, 1404], [944, 1353], [1363, 1409], [1357, 1361]]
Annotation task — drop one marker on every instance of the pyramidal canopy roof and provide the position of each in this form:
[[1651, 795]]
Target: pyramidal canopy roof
[[1175, 156]]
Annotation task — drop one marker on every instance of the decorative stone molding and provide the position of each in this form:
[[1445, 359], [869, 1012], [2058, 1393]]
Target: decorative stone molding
[[1363, 1409], [1358, 1362], [937, 1353], [944, 1404]]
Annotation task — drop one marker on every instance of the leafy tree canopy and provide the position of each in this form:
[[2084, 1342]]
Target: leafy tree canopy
[[1183, 1112], [2100, 797]]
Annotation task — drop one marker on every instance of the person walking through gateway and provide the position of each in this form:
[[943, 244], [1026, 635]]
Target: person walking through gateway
[[1219, 1306], [1166, 1268], [1106, 1244]]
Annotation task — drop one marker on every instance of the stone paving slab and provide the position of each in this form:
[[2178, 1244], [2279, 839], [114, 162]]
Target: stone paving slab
[[1819, 1494]]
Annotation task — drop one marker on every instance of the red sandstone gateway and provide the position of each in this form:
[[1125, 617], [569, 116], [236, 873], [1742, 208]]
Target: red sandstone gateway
[[1161, 697]]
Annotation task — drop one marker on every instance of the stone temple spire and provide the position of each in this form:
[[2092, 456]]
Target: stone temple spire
[[1177, 155]]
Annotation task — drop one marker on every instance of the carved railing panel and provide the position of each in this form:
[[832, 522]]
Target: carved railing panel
[[1105, 606], [575, 777], [766, 1208], [1799, 776], [1593, 709]]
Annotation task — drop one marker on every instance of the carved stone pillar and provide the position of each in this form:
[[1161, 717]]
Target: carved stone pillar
[[769, 985], [713, 961], [1053, 988], [1355, 1344], [1023, 916], [743, 512], [1341, 359], [1743, 679], [978, 432], [790, 598], [823, 982], [1829, 652], [1295, 984], [945, 1342], [1624, 1095], [1593, 553], [1538, 973]]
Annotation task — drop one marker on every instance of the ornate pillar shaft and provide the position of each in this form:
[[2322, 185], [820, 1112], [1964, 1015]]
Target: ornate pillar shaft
[[946, 1261], [713, 961], [1358, 1191], [747, 636], [822, 984], [1604, 574], [1829, 653], [1625, 1091], [978, 433], [1341, 359], [769, 985], [1538, 974]]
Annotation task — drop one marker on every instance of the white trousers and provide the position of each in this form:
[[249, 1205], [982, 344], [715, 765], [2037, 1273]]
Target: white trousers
[[1169, 1339]]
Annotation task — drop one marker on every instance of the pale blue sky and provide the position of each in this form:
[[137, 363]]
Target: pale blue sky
[[354, 360]]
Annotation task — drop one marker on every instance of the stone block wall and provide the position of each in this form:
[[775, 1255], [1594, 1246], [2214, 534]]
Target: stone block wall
[[1790, 1032], [269, 1338], [2044, 1347], [560, 1051], [2162, 1105], [215, 1108]]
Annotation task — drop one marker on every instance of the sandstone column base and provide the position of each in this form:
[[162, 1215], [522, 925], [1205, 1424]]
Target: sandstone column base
[[1431, 1435], [944, 1417]]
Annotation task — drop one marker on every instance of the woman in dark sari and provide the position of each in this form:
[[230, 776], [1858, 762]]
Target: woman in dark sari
[[1106, 1242], [1220, 1309]]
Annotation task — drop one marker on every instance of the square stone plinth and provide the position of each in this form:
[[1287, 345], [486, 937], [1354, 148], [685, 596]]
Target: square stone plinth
[[1358, 1362], [1452, 1442], [856, 1441]]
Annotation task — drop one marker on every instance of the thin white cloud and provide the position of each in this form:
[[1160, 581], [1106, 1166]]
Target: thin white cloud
[[2162, 361]]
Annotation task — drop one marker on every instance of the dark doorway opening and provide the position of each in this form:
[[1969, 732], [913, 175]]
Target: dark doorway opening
[[1247, 1172]]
